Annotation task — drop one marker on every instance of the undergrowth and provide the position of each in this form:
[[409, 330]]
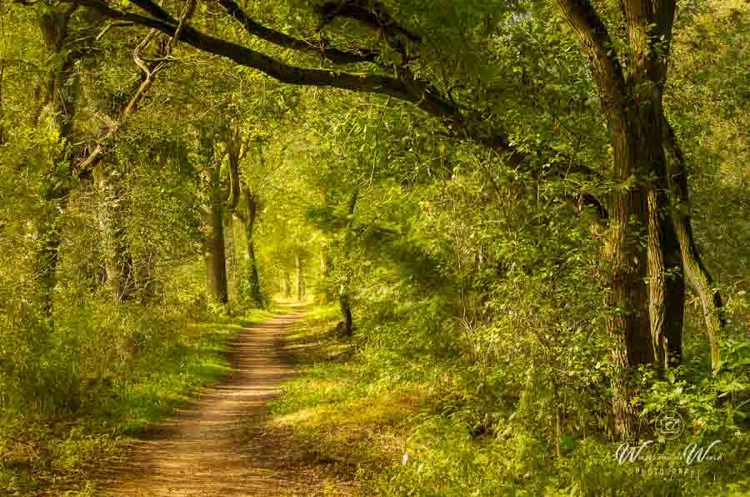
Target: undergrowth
[[405, 425], [53, 451]]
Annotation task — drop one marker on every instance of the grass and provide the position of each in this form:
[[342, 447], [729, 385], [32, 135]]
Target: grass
[[43, 456], [331, 408]]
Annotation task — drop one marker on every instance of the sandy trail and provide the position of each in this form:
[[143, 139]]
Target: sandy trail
[[216, 447]]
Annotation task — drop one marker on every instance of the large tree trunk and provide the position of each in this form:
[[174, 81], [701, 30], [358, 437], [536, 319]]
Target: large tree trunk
[[628, 324], [61, 95], [216, 269], [647, 292]]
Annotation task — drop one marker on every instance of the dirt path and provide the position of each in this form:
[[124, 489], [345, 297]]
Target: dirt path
[[217, 447]]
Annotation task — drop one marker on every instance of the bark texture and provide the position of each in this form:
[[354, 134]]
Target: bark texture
[[646, 298]]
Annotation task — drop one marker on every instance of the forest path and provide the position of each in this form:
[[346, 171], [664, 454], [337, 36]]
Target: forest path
[[217, 446]]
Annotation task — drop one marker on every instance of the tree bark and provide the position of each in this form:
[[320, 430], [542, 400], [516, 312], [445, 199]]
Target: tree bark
[[697, 274], [346, 312], [344, 287], [300, 277], [2, 108], [646, 298], [322, 274], [628, 325]]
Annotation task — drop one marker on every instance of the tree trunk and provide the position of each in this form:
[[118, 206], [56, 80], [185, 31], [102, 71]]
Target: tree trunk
[[118, 263], [300, 278], [214, 249], [61, 95], [647, 295], [695, 271], [323, 274], [2, 108], [145, 283], [253, 278], [215, 257], [344, 287], [346, 312], [628, 324], [665, 274]]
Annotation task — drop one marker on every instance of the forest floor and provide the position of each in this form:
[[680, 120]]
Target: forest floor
[[221, 444]]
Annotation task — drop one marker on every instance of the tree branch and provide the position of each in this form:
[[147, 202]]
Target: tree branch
[[420, 93], [372, 14], [283, 40], [143, 85], [600, 50], [406, 88], [696, 273]]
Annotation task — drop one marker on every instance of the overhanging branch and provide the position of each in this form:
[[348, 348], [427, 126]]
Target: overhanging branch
[[420, 93], [283, 40], [406, 88]]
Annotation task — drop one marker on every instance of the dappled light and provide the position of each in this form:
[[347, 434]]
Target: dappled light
[[393, 248]]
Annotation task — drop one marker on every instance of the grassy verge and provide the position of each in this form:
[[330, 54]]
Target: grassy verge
[[337, 411], [43, 455]]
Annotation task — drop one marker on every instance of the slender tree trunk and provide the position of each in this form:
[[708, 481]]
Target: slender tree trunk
[[665, 272], [346, 312], [323, 274], [251, 204], [344, 288], [2, 108], [695, 271], [118, 263], [145, 284], [214, 250], [61, 95], [300, 277], [231, 256]]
